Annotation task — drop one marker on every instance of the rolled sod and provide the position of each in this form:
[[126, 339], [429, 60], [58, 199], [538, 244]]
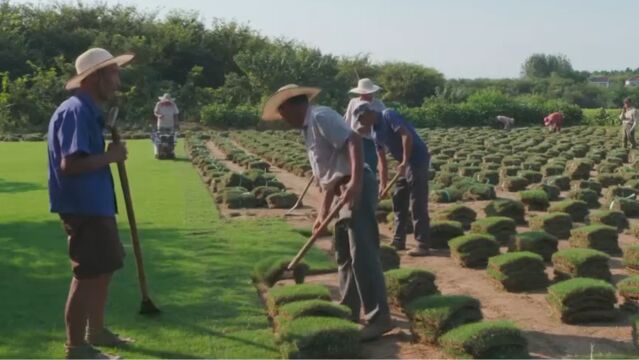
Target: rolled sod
[[578, 169], [446, 195], [588, 196], [628, 206], [460, 213], [502, 228], [518, 271], [533, 177], [443, 231], [557, 224], [562, 182], [613, 218], [485, 340], [281, 200], [535, 200], [389, 257], [585, 263], [619, 191], [304, 308], [552, 170], [406, 285], [583, 300], [281, 295], [507, 207], [577, 209], [515, 183], [432, 316], [598, 237], [588, 184], [629, 287], [538, 242], [551, 191], [268, 271], [607, 180], [631, 258], [317, 337], [473, 250], [262, 192]]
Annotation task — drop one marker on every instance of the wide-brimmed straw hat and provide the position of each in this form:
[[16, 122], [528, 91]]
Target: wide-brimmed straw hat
[[93, 60], [365, 87], [271, 108], [165, 97]]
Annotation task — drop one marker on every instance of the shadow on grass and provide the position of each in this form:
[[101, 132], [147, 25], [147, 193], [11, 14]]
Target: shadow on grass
[[16, 187]]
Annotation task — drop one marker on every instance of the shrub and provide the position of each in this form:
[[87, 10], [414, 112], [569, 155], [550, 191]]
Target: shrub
[[535, 200], [486, 340], [473, 250], [432, 316], [572, 263], [578, 210], [502, 228], [583, 300], [518, 271], [443, 231], [538, 242], [609, 217], [225, 116], [406, 285]]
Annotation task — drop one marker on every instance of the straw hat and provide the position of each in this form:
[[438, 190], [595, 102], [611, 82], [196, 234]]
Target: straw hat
[[271, 108], [364, 87], [166, 97], [93, 60]]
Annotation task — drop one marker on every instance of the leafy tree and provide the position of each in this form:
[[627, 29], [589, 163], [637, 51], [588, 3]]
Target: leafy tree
[[408, 83]]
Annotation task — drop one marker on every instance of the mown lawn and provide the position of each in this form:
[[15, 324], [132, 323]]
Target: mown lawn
[[197, 264]]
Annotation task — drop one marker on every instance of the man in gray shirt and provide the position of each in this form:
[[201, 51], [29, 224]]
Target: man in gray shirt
[[335, 154]]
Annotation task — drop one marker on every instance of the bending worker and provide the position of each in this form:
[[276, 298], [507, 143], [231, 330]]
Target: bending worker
[[401, 140], [628, 119]]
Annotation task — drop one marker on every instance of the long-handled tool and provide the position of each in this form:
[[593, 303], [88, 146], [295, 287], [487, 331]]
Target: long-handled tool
[[299, 200], [389, 186], [146, 307], [316, 234]]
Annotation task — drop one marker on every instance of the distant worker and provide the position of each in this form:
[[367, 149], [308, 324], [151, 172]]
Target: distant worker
[[166, 112], [508, 122], [366, 90], [554, 121], [628, 119]]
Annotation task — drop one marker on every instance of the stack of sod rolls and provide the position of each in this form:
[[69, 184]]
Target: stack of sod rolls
[[538, 242], [557, 224], [582, 300], [631, 258], [486, 340], [598, 236], [473, 250], [389, 257], [518, 271], [577, 209], [507, 208], [433, 316], [405, 285], [502, 228], [309, 325], [609, 217], [629, 289], [443, 231], [460, 213], [585, 263]]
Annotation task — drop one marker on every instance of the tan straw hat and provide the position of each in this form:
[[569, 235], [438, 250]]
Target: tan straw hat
[[271, 108], [93, 60], [365, 86]]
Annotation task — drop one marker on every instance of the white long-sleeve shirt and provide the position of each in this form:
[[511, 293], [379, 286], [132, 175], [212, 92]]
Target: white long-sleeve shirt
[[629, 117], [378, 105]]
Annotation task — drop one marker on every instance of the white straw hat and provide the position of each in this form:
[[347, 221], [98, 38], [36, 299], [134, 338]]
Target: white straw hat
[[165, 97], [271, 108], [93, 60], [365, 86]]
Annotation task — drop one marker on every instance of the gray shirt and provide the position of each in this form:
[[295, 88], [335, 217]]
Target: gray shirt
[[377, 105], [325, 135]]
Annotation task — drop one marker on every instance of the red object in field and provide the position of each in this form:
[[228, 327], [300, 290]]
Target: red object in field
[[555, 121]]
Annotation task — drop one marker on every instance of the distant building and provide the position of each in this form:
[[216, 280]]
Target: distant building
[[600, 81], [633, 81]]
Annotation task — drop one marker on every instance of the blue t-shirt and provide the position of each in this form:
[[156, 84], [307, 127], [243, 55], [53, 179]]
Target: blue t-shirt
[[387, 135], [76, 127]]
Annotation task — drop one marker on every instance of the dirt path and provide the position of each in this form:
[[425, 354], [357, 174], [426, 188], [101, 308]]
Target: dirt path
[[548, 337]]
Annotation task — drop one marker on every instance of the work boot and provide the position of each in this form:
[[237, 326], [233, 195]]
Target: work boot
[[104, 337], [376, 329], [86, 351], [419, 251]]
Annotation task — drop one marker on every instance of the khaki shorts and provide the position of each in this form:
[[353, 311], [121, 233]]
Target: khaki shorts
[[93, 244]]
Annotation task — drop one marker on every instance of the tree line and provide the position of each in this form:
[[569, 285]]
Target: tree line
[[221, 72]]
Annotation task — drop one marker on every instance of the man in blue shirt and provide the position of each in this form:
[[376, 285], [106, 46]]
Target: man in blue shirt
[[402, 142], [81, 192]]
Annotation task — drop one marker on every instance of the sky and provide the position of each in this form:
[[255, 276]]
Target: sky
[[460, 38]]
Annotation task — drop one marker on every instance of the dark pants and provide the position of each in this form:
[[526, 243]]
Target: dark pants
[[361, 279], [412, 190], [628, 136]]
